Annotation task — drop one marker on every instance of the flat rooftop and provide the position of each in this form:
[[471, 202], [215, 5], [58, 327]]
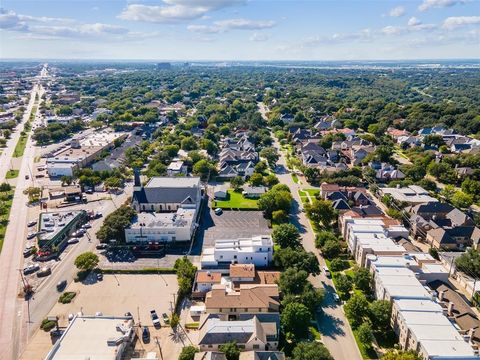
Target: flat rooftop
[[173, 182], [51, 223], [390, 261], [181, 218], [418, 305], [90, 337]]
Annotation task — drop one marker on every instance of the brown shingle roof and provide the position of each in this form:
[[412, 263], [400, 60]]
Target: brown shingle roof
[[208, 277], [253, 296], [242, 270]]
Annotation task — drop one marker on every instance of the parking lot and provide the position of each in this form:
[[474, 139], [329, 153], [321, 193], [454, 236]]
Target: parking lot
[[116, 295], [230, 225]]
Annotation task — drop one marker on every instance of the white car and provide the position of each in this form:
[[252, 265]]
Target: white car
[[86, 226], [31, 235], [32, 223], [72, 241]]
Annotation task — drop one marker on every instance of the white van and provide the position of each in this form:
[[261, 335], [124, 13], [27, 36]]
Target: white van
[[326, 271]]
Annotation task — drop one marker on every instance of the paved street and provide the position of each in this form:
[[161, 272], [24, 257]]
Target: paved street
[[11, 258], [333, 325]]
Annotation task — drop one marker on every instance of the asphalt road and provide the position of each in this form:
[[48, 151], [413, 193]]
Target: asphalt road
[[333, 325], [7, 153]]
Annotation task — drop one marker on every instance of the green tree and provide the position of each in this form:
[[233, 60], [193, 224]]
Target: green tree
[[331, 249], [274, 200], [279, 216], [362, 278], [321, 212], [237, 182], [311, 174], [270, 154], [256, 179], [209, 146], [343, 284], [231, 350], [270, 180], [297, 258], [292, 281], [469, 262], [394, 354], [189, 143], [203, 168], [380, 315], [261, 167], [323, 236], [114, 225], [462, 200], [188, 353], [185, 274], [87, 261], [311, 351], [286, 235], [365, 335], [295, 320], [356, 309], [4, 187]]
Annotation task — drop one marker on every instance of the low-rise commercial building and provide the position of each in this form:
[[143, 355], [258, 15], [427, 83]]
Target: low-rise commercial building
[[94, 337], [55, 228], [257, 250], [162, 227], [80, 153]]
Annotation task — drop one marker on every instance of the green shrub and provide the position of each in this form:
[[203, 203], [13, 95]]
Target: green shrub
[[339, 264], [47, 325], [67, 297]]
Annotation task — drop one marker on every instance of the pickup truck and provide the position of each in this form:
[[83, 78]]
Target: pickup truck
[[155, 319]]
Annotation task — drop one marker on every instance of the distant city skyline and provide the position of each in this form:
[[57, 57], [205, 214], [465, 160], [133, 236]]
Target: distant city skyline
[[240, 30]]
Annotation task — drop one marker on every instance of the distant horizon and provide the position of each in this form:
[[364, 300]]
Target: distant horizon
[[186, 60]]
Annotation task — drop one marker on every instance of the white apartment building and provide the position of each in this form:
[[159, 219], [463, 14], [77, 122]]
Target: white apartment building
[[257, 250], [417, 319], [162, 227]]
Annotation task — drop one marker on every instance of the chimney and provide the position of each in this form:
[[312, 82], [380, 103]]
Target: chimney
[[137, 185], [450, 309], [440, 295]]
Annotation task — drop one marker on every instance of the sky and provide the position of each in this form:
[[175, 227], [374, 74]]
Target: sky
[[240, 29]]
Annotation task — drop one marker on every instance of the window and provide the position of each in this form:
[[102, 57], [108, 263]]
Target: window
[[210, 345], [234, 256], [256, 346], [152, 208]]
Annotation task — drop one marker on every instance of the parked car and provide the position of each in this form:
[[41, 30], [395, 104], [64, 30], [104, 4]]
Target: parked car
[[31, 235], [101, 246], [32, 223], [89, 191], [99, 276], [145, 334], [155, 319], [86, 226], [44, 272], [56, 333], [61, 285], [165, 318], [336, 298], [27, 177], [326, 271], [218, 211], [31, 269], [28, 251], [72, 241]]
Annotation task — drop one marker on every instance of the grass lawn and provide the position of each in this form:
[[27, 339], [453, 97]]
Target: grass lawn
[[314, 333], [236, 201], [312, 192], [295, 178], [4, 218], [11, 174], [20, 147], [367, 353]]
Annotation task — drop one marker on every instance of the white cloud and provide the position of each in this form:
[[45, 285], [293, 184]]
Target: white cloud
[[392, 30], [259, 37], [54, 28], [413, 21], [458, 21], [397, 11], [174, 10], [222, 26], [429, 4]]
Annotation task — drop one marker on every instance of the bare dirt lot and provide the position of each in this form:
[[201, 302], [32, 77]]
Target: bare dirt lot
[[116, 295]]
